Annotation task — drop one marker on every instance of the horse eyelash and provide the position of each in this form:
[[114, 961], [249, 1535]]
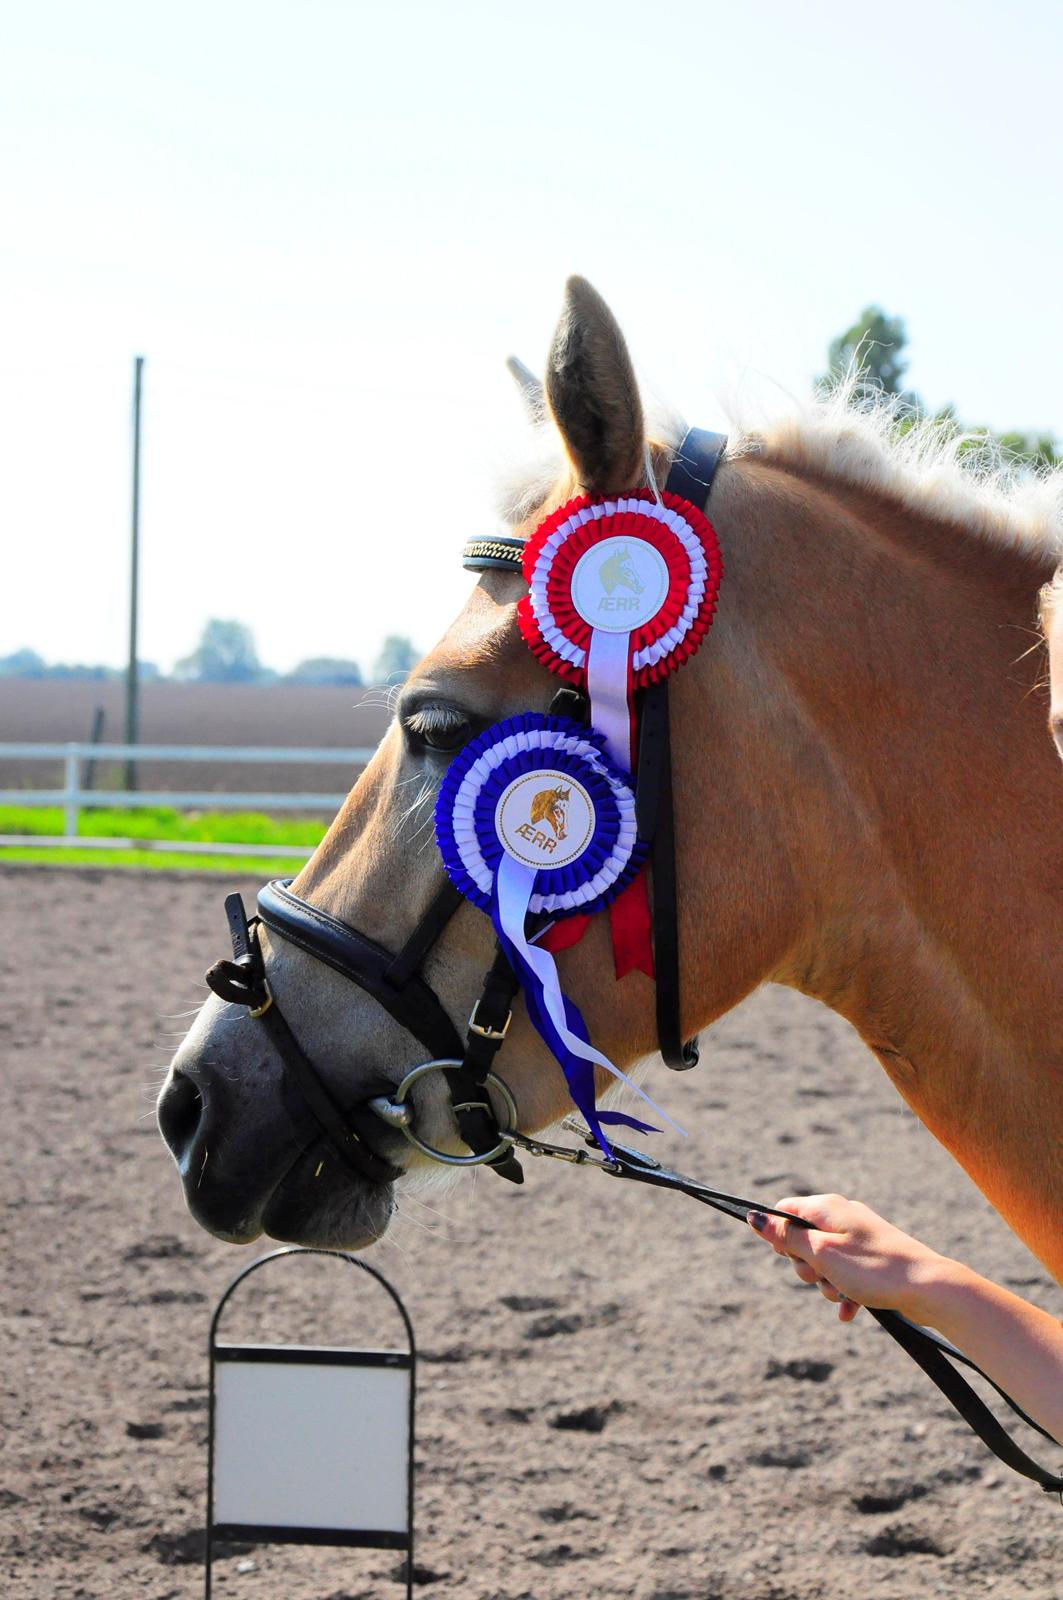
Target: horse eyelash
[[430, 719]]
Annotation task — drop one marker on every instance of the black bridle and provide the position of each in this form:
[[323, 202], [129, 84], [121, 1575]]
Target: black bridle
[[395, 982]]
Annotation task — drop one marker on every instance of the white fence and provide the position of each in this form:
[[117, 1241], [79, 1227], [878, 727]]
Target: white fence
[[74, 799]]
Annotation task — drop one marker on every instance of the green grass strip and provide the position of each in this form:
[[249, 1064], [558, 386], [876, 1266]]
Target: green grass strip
[[163, 822], [156, 860]]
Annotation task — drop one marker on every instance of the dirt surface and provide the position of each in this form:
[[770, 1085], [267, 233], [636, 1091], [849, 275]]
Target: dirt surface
[[325, 716], [620, 1393]]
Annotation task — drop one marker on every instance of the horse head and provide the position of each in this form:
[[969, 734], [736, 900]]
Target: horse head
[[619, 570], [858, 729], [549, 806], [225, 1110]]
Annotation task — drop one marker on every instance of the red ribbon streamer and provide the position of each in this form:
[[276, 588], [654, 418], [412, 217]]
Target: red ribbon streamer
[[629, 919], [630, 926]]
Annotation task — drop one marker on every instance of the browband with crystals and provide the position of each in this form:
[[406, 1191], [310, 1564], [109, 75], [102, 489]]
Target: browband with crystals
[[493, 555]]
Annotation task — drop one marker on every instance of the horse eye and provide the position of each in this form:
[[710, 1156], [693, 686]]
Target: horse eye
[[448, 739], [438, 727]]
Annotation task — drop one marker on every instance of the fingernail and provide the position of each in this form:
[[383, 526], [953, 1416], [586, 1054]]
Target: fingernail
[[757, 1221]]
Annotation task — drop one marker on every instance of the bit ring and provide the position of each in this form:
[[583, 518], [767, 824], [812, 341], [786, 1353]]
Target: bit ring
[[394, 1110]]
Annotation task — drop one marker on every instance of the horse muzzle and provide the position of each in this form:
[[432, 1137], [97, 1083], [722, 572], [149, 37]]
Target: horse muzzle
[[252, 1157]]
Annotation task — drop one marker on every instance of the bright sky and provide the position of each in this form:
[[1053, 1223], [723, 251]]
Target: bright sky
[[326, 222]]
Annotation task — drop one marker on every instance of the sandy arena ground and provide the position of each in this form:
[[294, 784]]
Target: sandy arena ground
[[620, 1392]]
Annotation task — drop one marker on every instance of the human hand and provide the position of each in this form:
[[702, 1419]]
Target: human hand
[[853, 1255]]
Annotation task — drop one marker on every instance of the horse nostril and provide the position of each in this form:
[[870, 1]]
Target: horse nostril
[[179, 1112]]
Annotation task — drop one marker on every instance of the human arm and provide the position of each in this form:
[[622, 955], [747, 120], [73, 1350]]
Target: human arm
[[857, 1258]]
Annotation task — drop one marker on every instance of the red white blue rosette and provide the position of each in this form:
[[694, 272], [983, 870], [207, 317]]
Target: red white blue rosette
[[533, 819], [621, 593]]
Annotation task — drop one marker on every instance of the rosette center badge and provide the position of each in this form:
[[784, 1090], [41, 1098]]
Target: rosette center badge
[[620, 584], [545, 819]]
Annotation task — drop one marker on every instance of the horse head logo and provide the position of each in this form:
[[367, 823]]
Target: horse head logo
[[620, 569], [549, 806]]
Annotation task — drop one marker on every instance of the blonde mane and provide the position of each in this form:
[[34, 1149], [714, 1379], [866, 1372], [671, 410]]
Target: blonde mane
[[875, 442], [871, 442]]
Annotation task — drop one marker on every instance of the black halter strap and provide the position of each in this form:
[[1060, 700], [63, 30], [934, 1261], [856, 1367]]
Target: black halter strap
[[691, 475], [694, 465]]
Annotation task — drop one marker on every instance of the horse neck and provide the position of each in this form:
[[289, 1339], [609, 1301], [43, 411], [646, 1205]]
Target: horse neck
[[910, 799]]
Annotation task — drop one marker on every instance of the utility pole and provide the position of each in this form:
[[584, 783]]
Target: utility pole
[[132, 682]]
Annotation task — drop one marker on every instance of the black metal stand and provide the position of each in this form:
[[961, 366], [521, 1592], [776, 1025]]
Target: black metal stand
[[305, 1355]]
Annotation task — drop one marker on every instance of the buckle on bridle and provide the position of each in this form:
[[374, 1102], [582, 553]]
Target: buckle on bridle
[[259, 1011], [485, 1030]]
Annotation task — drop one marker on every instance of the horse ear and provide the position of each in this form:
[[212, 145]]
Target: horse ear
[[531, 389], [590, 384]]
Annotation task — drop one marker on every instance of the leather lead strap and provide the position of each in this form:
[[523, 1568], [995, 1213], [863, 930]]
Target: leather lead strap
[[935, 1357], [927, 1349]]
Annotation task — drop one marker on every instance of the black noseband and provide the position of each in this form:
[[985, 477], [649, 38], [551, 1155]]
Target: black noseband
[[395, 983], [242, 981], [392, 980]]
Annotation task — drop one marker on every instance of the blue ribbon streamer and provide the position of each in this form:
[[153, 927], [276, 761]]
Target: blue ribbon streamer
[[538, 975]]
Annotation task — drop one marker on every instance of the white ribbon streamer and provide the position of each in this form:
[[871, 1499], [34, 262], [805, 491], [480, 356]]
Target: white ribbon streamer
[[607, 675]]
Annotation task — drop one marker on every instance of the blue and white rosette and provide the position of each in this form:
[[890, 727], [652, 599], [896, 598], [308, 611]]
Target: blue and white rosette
[[533, 818]]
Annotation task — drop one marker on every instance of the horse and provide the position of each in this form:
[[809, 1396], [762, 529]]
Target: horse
[[868, 809], [619, 570], [549, 806]]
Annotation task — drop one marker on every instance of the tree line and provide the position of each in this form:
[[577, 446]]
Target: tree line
[[226, 653], [875, 349]]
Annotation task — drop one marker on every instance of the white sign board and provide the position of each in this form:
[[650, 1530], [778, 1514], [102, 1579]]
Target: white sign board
[[312, 1439]]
